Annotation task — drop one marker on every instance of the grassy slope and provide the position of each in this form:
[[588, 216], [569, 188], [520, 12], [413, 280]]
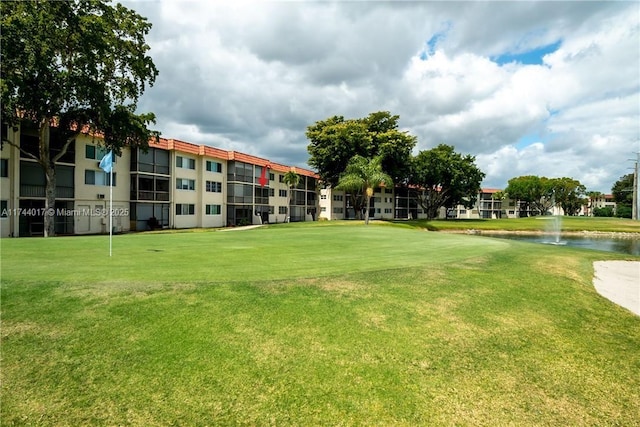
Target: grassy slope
[[311, 325]]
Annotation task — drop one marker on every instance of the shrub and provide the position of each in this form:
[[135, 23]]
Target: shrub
[[606, 211], [623, 211]]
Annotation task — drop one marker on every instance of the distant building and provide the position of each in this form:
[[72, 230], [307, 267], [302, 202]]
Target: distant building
[[601, 201]]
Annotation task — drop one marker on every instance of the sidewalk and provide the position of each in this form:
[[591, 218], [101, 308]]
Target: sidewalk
[[243, 227], [619, 282]]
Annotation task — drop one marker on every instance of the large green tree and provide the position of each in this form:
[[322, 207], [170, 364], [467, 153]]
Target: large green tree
[[622, 191], [569, 194], [363, 176], [80, 66], [335, 141], [445, 178], [536, 192]]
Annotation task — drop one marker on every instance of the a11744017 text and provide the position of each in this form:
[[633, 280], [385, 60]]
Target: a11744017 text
[[63, 212]]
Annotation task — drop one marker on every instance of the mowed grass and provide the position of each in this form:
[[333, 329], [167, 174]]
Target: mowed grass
[[311, 325]]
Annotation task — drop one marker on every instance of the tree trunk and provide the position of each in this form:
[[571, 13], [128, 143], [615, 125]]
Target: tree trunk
[[366, 211], [50, 201], [48, 167], [290, 202]]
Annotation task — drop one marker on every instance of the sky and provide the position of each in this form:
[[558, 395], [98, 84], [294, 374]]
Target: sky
[[545, 88]]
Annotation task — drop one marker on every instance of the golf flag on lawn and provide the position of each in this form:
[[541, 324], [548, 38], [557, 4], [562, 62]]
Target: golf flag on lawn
[[107, 162]]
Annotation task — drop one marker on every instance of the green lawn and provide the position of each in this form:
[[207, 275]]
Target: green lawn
[[311, 324]]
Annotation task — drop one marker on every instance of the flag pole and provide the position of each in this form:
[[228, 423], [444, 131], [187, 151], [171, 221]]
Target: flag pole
[[106, 164], [110, 204]]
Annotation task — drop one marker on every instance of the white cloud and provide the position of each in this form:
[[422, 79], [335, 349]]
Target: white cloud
[[251, 76]]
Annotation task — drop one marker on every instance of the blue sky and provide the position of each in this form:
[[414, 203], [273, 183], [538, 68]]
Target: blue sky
[[529, 57], [529, 88]]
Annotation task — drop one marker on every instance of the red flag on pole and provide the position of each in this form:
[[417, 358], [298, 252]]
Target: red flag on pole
[[263, 177]]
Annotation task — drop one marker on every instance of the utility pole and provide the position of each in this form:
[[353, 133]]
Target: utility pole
[[636, 199]]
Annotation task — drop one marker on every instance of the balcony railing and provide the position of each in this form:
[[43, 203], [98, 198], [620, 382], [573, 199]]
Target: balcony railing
[[39, 191], [150, 195]]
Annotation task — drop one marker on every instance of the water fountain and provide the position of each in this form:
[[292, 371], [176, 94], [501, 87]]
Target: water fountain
[[553, 229]]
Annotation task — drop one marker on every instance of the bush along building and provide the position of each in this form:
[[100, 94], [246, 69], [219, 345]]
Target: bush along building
[[173, 184]]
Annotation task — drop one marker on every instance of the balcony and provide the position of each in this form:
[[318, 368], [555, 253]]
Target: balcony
[[37, 191], [161, 196]]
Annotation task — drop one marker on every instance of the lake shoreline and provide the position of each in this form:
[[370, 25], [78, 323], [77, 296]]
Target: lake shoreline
[[583, 233]]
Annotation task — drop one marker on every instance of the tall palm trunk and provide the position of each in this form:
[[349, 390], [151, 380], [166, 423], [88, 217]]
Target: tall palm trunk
[[367, 200], [290, 202]]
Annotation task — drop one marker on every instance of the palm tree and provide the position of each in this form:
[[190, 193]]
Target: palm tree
[[592, 196], [364, 175], [292, 179]]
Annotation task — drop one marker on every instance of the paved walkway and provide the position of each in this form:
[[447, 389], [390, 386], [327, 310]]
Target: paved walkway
[[243, 227], [619, 281]]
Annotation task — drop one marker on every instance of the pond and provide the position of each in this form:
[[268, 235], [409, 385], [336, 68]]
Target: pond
[[623, 245]]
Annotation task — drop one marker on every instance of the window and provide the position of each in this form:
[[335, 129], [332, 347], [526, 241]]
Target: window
[[282, 210], [280, 178], [388, 191], [388, 211], [92, 177], [261, 195], [214, 187], [95, 153], [239, 193], [155, 160], [185, 209], [4, 168], [4, 204], [241, 172], [185, 184], [214, 166], [185, 163], [337, 210], [212, 209], [323, 197], [323, 209], [282, 193], [272, 176], [337, 198]]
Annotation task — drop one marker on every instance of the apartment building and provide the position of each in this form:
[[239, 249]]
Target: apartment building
[[386, 203], [401, 203], [599, 202], [172, 184]]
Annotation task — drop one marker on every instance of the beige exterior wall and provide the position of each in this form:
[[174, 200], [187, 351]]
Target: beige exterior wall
[[92, 201], [383, 204], [279, 201], [333, 205], [211, 198], [10, 188], [185, 196]]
